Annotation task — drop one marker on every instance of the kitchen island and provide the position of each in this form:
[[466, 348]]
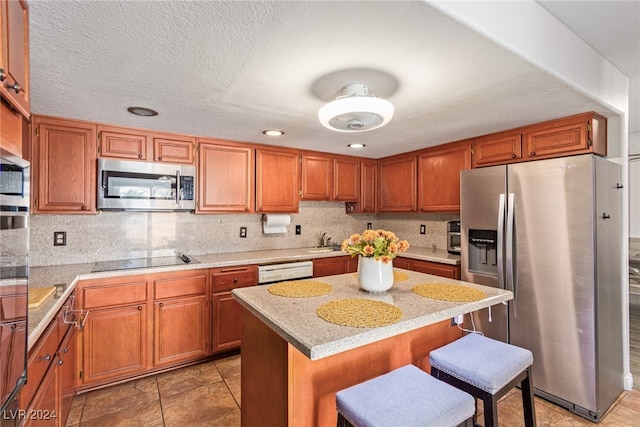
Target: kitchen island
[[293, 361]]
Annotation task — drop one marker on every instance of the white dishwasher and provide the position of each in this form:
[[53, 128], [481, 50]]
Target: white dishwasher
[[279, 272]]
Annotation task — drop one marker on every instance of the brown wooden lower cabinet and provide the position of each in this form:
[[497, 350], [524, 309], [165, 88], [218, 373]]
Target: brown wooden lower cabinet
[[334, 265], [227, 313], [51, 373], [114, 344], [428, 267]]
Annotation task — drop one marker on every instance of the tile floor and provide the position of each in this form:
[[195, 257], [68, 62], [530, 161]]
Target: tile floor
[[208, 394]]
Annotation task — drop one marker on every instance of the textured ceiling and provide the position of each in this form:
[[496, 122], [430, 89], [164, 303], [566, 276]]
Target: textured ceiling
[[232, 69]]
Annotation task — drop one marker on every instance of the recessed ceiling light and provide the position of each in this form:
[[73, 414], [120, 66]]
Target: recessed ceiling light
[[356, 145], [273, 132], [142, 111]]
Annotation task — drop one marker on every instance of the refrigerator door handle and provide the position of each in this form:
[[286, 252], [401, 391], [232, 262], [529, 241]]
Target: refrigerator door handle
[[499, 250], [511, 283]]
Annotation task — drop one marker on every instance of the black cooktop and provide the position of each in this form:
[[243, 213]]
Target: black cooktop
[[128, 264]]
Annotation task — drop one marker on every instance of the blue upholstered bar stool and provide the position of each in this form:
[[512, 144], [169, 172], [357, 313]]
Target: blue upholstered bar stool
[[405, 397], [487, 369]]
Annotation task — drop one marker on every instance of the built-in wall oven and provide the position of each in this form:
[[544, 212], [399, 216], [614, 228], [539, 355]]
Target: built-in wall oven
[[14, 278]]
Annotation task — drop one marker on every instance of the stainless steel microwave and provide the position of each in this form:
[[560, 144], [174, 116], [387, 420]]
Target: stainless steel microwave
[[145, 186], [14, 183]]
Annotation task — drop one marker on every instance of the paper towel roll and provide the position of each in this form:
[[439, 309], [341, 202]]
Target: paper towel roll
[[275, 223]]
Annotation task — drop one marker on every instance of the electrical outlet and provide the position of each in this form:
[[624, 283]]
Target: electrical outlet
[[298, 229], [423, 229], [457, 320], [59, 238], [243, 232], [368, 226]]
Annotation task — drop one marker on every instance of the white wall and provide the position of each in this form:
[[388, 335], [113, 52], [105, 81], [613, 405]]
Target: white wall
[[634, 163]]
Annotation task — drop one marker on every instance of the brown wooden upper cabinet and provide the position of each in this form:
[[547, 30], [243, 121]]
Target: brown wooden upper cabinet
[[397, 180], [579, 134], [64, 166], [439, 176], [582, 133], [368, 197], [497, 149], [277, 180], [225, 177], [326, 177], [135, 144], [14, 54]]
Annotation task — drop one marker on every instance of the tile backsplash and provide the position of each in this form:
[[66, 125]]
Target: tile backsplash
[[122, 235]]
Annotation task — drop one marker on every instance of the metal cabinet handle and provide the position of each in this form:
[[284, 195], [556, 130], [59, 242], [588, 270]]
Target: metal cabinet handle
[[84, 208], [533, 153], [139, 156], [60, 362], [160, 158], [513, 156], [15, 87], [47, 357], [3, 75], [235, 280], [139, 308], [161, 305]]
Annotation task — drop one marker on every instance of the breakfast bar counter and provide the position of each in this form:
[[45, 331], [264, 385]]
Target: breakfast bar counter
[[293, 361]]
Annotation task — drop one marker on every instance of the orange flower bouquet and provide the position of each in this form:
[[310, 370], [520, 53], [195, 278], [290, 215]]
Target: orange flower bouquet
[[379, 244]]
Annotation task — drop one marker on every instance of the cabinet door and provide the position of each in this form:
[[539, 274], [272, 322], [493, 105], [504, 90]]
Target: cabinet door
[[114, 343], [497, 149], [40, 359], [277, 182], [330, 266], [44, 409], [439, 177], [122, 143], [227, 322], [225, 178], [346, 179], [397, 179], [316, 177], [173, 149], [12, 135], [180, 330], [367, 199], [14, 65], [66, 366], [583, 133], [65, 165], [13, 338]]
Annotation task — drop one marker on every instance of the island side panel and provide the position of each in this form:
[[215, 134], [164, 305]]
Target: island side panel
[[264, 375], [313, 383]]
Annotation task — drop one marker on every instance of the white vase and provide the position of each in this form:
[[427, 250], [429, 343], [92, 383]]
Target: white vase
[[373, 275]]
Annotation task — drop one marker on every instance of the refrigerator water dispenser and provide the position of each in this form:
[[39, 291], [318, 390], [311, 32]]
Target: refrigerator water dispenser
[[483, 245]]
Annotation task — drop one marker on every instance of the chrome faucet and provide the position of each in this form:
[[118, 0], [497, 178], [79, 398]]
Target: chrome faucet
[[322, 240]]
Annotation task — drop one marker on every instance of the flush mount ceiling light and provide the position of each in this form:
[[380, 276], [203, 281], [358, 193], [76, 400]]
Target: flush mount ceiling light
[[142, 111], [355, 111]]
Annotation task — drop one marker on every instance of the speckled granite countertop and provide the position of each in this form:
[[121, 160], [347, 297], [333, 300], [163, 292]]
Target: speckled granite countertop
[[296, 321], [65, 277]]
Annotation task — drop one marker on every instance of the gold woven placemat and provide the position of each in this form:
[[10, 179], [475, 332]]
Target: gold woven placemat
[[359, 313], [449, 292], [398, 276], [300, 289]]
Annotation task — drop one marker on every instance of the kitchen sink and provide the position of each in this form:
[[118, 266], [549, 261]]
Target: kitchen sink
[[323, 249], [319, 250]]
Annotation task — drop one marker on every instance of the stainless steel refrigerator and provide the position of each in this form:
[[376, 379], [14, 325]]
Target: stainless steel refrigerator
[[551, 231]]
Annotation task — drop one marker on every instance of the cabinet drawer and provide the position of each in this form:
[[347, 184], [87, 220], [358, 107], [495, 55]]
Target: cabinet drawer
[[180, 287], [120, 294], [40, 358], [234, 277]]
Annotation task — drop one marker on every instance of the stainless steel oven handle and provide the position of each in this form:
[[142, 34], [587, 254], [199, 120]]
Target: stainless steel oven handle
[[501, 208]]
